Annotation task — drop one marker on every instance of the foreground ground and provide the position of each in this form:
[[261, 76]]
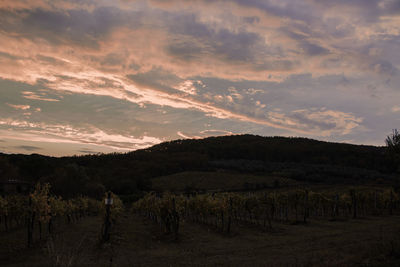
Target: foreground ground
[[138, 242]]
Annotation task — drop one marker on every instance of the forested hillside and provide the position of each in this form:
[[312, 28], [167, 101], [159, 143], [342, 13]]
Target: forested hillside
[[300, 159]]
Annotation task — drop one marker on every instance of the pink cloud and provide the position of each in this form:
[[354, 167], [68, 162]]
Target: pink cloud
[[20, 107], [56, 133]]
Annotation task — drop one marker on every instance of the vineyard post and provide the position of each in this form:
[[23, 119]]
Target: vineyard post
[[222, 221], [296, 200], [50, 223], [273, 208], [30, 221], [175, 217], [107, 222], [336, 211], [391, 203], [267, 212], [305, 206], [40, 229], [354, 202], [287, 210], [6, 222], [228, 228]]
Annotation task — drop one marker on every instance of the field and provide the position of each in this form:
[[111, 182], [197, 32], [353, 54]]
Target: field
[[325, 239], [136, 241]]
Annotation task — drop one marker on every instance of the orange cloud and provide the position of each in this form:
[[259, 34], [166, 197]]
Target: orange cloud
[[21, 107]]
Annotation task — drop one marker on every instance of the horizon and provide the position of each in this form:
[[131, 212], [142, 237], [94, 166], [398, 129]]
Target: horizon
[[87, 77], [129, 151]]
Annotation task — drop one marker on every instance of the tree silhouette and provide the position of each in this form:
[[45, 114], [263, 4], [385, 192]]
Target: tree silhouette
[[393, 145], [393, 141]]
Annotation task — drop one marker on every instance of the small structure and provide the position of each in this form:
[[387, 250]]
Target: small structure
[[14, 186]]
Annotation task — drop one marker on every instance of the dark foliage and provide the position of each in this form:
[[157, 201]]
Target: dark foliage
[[129, 174]]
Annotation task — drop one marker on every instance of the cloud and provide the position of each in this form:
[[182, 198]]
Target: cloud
[[395, 109], [203, 134], [313, 49], [28, 148], [326, 121], [282, 67], [20, 107], [384, 67], [69, 134], [87, 151], [228, 46], [35, 96], [77, 26], [187, 87]]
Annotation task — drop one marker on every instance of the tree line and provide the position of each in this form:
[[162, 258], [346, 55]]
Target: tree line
[[130, 173]]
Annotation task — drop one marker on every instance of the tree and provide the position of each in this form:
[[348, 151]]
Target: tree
[[7, 170], [393, 142], [69, 181], [393, 145]]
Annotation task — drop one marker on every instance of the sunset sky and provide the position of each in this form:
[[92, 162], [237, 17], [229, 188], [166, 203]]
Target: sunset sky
[[89, 76]]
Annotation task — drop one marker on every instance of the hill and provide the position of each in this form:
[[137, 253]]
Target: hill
[[216, 181], [299, 159]]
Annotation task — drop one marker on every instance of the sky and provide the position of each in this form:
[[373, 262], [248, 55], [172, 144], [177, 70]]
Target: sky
[[95, 76]]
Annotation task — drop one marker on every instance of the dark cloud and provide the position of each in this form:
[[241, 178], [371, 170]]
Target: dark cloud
[[50, 60], [195, 39], [368, 10], [331, 46], [301, 34], [365, 10], [113, 59], [87, 151], [156, 78], [240, 46], [251, 20], [78, 26], [9, 56], [276, 65], [303, 120], [313, 49], [28, 148], [186, 50], [294, 9], [384, 67]]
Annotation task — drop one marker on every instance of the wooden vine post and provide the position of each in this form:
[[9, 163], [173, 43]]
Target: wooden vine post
[[30, 222], [306, 209], [336, 207], [228, 227], [50, 223], [107, 219], [175, 218], [354, 202]]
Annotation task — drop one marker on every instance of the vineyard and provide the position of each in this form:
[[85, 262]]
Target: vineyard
[[224, 210], [174, 227], [40, 211]]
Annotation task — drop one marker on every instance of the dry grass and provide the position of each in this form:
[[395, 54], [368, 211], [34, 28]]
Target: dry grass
[[138, 242], [61, 254], [320, 243]]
